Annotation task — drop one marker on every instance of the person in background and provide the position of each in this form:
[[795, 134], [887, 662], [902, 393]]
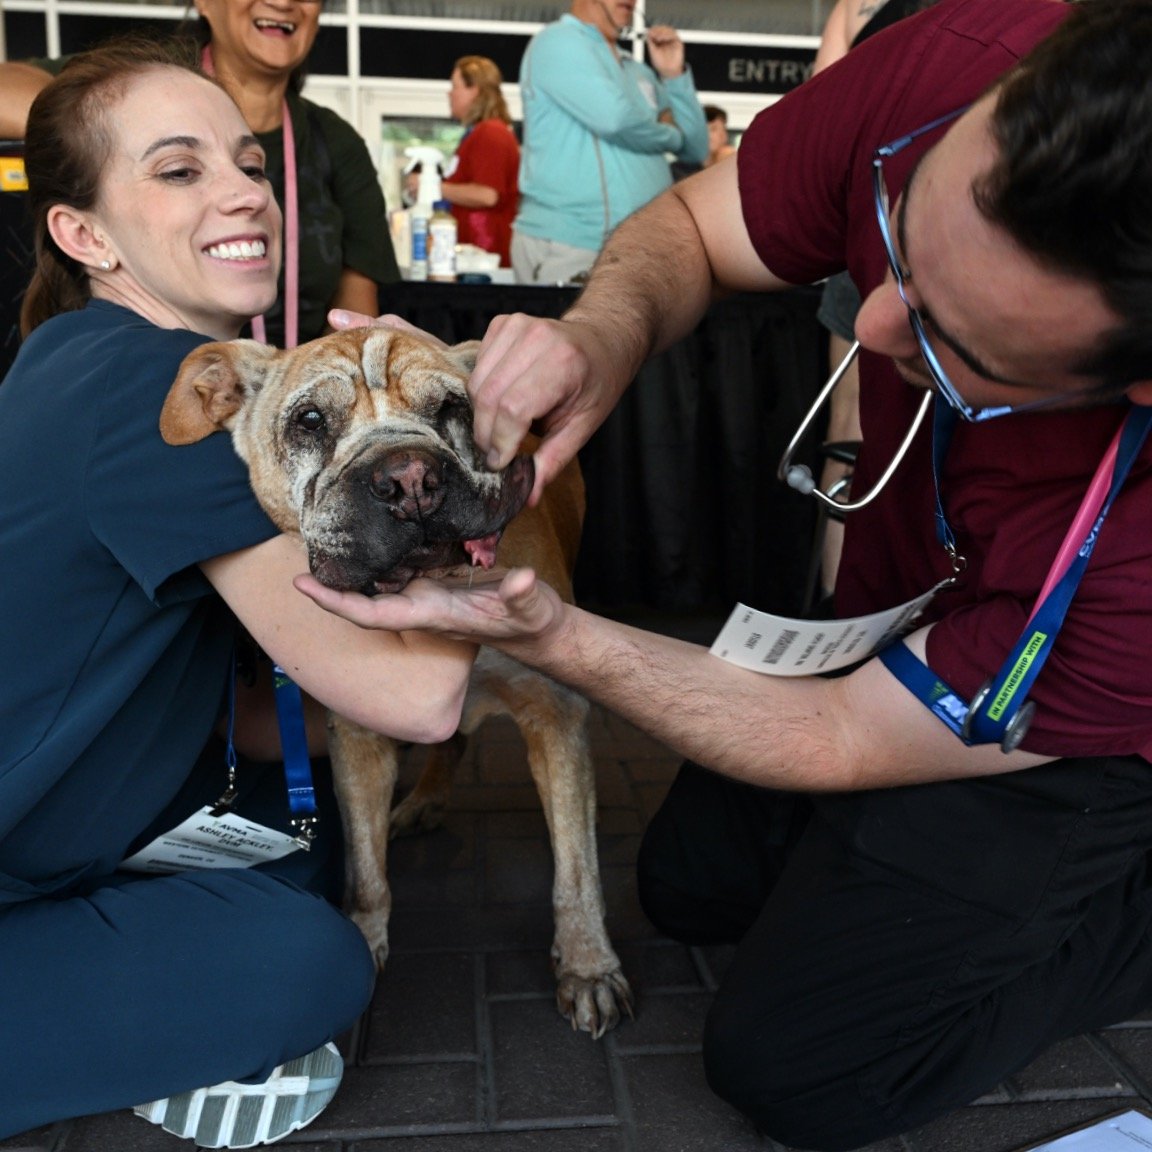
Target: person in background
[[718, 144], [338, 245], [927, 880], [129, 568], [597, 128], [480, 180]]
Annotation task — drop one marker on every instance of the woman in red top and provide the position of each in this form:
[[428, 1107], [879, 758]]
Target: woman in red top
[[480, 181]]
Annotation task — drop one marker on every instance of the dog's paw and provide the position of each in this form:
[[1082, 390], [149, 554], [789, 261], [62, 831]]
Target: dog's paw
[[594, 1004], [374, 928], [415, 813]]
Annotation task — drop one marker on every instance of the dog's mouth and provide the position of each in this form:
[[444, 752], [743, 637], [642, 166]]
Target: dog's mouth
[[437, 562], [403, 544]]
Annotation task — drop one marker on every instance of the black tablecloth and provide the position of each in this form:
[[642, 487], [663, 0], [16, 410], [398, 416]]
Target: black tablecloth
[[15, 269], [684, 509]]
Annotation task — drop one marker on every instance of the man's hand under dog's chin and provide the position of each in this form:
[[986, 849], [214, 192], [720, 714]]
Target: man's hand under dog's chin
[[498, 608]]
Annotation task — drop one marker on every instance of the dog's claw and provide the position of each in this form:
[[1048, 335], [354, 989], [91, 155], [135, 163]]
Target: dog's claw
[[593, 1004]]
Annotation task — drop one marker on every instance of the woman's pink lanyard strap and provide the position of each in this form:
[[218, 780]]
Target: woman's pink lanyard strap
[[291, 228]]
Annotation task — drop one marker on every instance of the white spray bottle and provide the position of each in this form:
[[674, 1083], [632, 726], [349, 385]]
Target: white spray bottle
[[428, 193]]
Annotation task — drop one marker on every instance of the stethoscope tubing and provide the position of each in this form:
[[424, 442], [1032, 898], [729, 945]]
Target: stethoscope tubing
[[799, 476]]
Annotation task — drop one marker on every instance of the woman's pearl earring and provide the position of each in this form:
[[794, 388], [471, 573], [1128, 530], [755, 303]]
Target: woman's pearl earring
[[106, 265]]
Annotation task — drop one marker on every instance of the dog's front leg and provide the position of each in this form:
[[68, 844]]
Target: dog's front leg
[[591, 990], [364, 768]]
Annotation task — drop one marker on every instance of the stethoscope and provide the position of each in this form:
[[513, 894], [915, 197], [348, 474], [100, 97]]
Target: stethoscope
[[1000, 711], [799, 476]]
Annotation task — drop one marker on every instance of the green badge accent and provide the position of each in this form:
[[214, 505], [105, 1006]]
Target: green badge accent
[[1004, 697]]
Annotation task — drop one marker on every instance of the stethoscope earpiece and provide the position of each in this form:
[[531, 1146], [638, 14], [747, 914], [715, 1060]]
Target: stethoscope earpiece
[[799, 477]]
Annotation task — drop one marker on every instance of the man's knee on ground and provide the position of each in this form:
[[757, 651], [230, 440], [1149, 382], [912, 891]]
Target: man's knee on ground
[[790, 1085], [676, 912]]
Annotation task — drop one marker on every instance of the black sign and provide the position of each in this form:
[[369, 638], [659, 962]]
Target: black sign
[[419, 54], [754, 68], [425, 54]]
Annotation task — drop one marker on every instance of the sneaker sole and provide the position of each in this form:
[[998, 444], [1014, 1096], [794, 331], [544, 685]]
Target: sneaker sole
[[232, 1115]]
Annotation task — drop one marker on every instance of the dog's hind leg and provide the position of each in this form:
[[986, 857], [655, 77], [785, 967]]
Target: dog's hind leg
[[591, 990], [423, 808], [364, 767]]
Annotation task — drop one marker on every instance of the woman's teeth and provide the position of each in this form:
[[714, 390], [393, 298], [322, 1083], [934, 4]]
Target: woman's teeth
[[238, 250]]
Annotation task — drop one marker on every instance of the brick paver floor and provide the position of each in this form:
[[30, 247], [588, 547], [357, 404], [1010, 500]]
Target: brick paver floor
[[463, 1050]]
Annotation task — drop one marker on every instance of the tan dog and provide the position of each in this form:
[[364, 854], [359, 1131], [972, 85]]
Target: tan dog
[[361, 443]]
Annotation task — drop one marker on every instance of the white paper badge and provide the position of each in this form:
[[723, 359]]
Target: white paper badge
[[779, 646], [207, 841]]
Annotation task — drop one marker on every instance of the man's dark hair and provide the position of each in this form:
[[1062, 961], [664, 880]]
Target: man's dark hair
[[1073, 181]]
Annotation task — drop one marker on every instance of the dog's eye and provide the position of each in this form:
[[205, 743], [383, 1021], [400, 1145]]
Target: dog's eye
[[311, 420], [452, 409]]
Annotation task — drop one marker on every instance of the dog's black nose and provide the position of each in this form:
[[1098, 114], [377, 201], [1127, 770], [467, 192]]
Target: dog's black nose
[[408, 483]]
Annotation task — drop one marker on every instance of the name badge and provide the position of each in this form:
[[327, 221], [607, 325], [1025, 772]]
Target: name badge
[[205, 840], [780, 646]]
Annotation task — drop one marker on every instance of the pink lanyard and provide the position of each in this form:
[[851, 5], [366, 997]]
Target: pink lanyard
[[291, 228], [1089, 508]]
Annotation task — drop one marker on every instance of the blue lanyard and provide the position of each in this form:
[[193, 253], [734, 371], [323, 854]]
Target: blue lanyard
[[293, 744], [1000, 711], [297, 765]]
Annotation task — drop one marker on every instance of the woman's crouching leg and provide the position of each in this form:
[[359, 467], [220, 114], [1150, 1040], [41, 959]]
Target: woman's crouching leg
[[147, 987]]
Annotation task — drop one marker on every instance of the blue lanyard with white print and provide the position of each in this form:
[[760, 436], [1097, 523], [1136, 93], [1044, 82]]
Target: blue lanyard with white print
[[1000, 712], [294, 746]]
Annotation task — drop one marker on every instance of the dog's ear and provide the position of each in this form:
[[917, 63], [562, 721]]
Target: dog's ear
[[212, 385], [464, 355]]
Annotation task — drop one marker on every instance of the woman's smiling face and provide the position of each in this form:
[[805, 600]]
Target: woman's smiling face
[[268, 36], [185, 208]]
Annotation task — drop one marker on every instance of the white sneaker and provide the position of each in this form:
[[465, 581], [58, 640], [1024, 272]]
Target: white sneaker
[[232, 1115]]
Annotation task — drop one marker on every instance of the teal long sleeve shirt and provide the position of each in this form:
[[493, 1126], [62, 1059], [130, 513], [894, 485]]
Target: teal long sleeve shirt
[[594, 148]]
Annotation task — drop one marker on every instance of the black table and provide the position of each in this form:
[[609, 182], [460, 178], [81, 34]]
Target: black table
[[15, 262], [684, 510]]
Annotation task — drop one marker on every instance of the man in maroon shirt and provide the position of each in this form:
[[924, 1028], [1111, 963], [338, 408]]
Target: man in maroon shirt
[[919, 913]]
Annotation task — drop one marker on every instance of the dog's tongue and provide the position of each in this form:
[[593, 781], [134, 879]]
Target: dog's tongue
[[482, 551]]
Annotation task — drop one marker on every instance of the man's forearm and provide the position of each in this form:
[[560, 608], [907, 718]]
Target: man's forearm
[[765, 732]]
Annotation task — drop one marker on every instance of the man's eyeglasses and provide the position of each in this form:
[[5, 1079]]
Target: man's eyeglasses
[[944, 386]]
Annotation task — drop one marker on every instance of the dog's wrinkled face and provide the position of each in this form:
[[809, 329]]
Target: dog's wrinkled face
[[361, 442]]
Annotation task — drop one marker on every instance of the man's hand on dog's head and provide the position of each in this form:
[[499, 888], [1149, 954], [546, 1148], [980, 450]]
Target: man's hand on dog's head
[[497, 607], [339, 319], [532, 374]]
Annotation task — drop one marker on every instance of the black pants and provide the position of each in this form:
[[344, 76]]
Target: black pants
[[903, 951]]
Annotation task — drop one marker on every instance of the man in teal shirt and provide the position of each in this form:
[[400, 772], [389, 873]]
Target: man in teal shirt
[[598, 128]]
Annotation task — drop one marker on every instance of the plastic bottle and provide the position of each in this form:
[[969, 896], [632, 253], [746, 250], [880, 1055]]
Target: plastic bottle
[[428, 193], [442, 242], [418, 266]]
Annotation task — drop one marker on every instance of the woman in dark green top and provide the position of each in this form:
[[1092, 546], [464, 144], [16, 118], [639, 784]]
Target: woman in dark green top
[[344, 244]]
